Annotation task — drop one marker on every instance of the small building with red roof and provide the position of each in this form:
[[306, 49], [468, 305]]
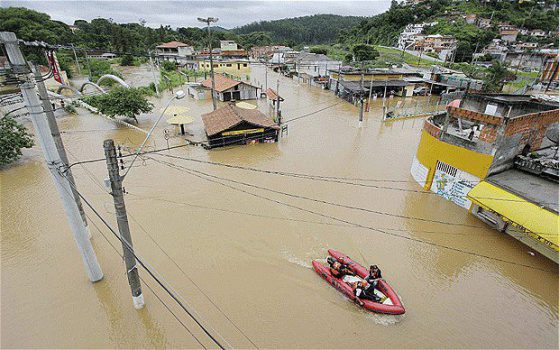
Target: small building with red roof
[[227, 89], [180, 53]]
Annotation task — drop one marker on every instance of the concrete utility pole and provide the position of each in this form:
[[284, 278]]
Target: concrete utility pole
[[153, 73], [55, 133], [266, 69], [278, 113], [361, 93], [208, 21], [338, 79], [76, 58], [123, 228], [52, 158]]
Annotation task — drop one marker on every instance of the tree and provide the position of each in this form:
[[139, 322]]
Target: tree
[[13, 137], [127, 60], [364, 52], [319, 50], [121, 101], [495, 77], [168, 66]]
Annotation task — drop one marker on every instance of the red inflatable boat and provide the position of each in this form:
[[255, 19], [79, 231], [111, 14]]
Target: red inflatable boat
[[390, 304]]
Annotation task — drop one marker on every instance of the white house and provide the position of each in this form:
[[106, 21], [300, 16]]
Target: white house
[[228, 45], [313, 67], [181, 53]]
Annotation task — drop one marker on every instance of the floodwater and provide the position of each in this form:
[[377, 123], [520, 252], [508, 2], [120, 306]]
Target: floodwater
[[241, 255]]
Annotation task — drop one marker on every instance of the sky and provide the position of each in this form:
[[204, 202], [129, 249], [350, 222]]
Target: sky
[[231, 13]]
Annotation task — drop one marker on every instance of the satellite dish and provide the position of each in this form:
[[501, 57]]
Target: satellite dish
[[553, 135]]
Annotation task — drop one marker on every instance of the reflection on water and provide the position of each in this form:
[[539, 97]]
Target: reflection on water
[[251, 255]]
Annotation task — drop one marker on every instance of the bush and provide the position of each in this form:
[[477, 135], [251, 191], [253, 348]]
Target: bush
[[168, 66], [13, 137], [127, 60], [100, 68]]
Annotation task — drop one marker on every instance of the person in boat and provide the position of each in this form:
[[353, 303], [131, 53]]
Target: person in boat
[[364, 290], [338, 268], [374, 275]]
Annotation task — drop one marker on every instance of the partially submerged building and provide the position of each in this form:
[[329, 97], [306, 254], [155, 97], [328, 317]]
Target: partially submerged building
[[227, 89], [346, 83], [470, 154], [232, 125]]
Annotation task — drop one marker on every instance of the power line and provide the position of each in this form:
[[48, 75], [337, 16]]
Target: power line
[[208, 177], [333, 179], [338, 204], [191, 280], [286, 218], [148, 270], [147, 285]]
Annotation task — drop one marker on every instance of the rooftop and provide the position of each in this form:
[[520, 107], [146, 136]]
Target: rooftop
[[172, 45], [533, 188], [222, 83], [272, 94], [230, 116]]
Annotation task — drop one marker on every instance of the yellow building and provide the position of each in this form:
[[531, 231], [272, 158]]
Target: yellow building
[[478, 161], [237, 69]]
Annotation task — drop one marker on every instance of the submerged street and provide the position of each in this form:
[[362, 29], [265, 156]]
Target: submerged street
[[237, 242]]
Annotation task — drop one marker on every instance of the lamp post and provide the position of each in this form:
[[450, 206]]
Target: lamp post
[[208, 21], [178, 95]]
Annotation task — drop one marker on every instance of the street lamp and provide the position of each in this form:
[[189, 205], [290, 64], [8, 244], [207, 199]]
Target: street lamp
[[208, 21], [178, 95]]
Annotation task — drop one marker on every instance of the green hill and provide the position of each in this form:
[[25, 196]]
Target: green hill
[[384, 28], [316, 29]]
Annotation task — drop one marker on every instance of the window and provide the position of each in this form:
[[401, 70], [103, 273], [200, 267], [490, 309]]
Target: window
[[228, 64], [244, 64]]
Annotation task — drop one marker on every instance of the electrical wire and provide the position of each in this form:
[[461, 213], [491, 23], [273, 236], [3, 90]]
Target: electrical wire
[[146, 284], [149, 270], [213, 179]]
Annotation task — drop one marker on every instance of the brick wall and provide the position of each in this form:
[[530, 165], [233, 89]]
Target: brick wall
[[488, 133], [477, 116], [431, 129], [532, 127]]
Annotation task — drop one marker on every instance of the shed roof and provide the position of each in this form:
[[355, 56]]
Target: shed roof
[[356, 85], [230, 116], [172, 44], [272, 94]]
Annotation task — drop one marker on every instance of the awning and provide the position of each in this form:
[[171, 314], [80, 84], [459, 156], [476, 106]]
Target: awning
[[517, 210]]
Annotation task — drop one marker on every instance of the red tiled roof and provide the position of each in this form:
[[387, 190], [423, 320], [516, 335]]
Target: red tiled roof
[[230, 116], [272, 94], [234, 53], [222, 83], [172, 44]]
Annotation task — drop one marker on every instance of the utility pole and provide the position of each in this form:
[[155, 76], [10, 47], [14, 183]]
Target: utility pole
[[55, 133], [278, 113], [362, 93], [266, 81], [77, 62], [153, 73], [88, 65], [370, 93], [122, 220], [338, 80], [52, 158], [208, 21]]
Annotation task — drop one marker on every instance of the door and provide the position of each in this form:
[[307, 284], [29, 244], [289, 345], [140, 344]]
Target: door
[[226, 96], [236, 95]]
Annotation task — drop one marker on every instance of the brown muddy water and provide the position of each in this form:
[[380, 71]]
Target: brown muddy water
[[252, 255]]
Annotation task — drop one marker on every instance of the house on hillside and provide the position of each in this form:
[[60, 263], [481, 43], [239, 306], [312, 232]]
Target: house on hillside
[[232, 125], [227, 89], [180, 53]]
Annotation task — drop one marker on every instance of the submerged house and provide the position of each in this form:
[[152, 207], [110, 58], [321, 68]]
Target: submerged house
[[227, 89], [232, 125]]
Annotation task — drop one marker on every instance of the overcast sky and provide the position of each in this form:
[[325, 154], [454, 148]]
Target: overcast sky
[[231, 13]]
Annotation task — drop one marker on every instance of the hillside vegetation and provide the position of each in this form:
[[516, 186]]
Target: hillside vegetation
[[384, 28], [316, 29]]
